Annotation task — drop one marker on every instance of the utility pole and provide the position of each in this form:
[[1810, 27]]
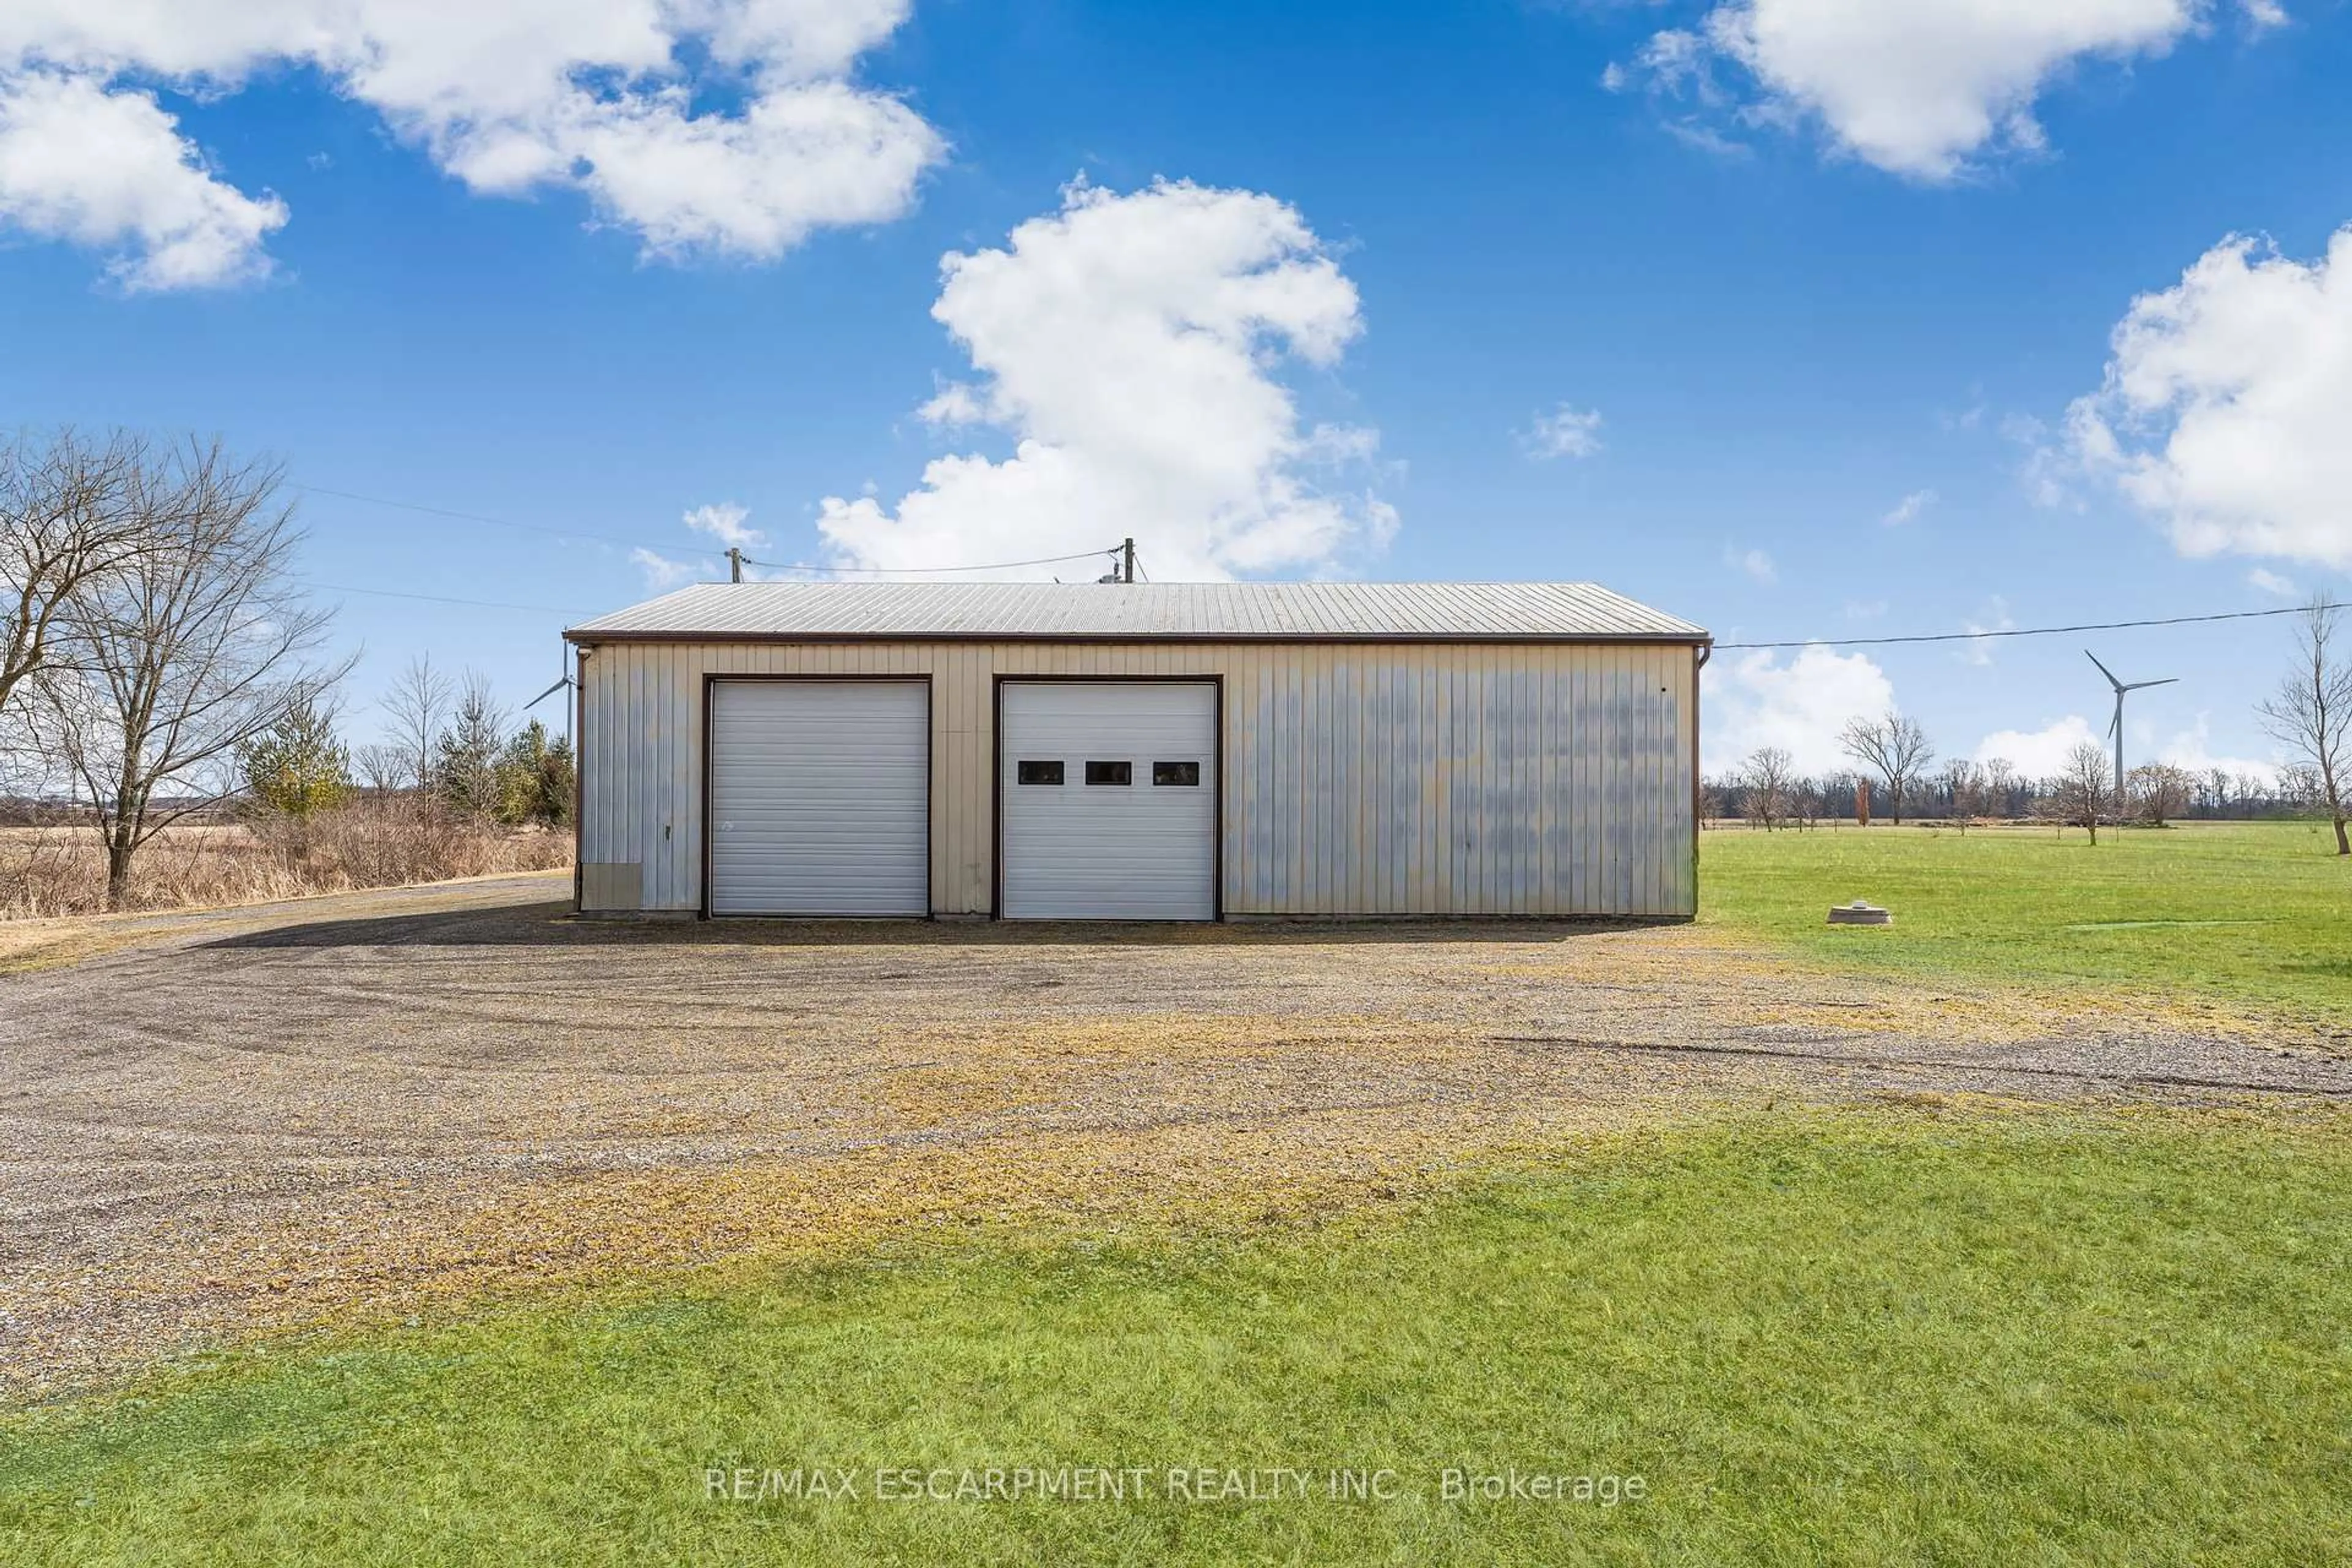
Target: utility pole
[[734, 564], [1127, 560]]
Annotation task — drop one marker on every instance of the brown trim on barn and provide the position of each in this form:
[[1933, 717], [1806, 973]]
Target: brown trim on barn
[[1277, 639]]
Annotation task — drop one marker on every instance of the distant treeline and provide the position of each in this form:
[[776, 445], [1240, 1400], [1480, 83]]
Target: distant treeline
[[2155, 793]]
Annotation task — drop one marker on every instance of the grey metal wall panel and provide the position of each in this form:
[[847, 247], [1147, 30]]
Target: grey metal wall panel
[[819, 797], [1360, 779]]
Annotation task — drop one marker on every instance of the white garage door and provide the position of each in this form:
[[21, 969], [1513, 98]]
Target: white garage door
[[820, 797], [1109, 800]]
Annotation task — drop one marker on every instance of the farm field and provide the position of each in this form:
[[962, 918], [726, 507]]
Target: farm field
[[2256, 914], [1839, 1337]]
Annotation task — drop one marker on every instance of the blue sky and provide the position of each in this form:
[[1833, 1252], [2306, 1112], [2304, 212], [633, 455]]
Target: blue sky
[[1804, 268]]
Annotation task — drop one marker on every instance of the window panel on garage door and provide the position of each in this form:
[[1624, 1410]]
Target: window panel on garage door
[[820, 797]]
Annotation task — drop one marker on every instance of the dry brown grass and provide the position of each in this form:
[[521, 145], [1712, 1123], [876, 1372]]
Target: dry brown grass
[[60, 870]]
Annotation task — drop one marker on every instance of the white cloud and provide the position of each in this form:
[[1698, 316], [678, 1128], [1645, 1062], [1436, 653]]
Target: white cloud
[[1908, 509], [1918, 87], [661, 573], [109, 170], [2193, 749], [1977, 649], [2272, 583], [1701, 137], [508, 96], [1565, 432], [2039, 753], [2223, 410], [1799, 706], [723, 520], [1130, 345], [1754, 562], [954, 403]]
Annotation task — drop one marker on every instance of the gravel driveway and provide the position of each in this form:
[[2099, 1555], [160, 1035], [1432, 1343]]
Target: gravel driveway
[[353, 1107]]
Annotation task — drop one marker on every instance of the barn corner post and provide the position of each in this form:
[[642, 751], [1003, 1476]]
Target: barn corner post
[[579, 775], [1700, 655]]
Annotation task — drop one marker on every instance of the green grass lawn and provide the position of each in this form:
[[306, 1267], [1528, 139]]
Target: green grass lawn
[[1865, 1337], [2256, 914]]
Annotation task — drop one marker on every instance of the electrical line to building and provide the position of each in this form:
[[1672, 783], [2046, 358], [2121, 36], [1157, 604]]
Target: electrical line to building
[[556, 532], [552, 532], [990, 566], [1125, 566], [438, 598], [2026, 631], [1803, 643]]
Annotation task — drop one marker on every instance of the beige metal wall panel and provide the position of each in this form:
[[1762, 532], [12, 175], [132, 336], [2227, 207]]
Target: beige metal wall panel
[[1360, 779]]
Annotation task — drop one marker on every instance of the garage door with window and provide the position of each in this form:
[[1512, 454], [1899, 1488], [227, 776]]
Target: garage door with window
[[1108, 799], [820, 797]]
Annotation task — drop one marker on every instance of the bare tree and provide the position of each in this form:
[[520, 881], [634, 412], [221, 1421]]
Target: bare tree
[[2311, 713], [418, 704], [190, 649], [2001, 785], [1965, 782], [383, 768], [2162, 792], [65, 522], [2080, 792], [1835, 791], [1896, 748], [1804, 798], [1767, 778], [2299, 787]]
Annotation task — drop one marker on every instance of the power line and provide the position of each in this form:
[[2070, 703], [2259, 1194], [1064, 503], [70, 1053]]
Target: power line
[[2024, 631], [478, 517], [641, 544], [1114, 550], [991, 566], [437, 598]]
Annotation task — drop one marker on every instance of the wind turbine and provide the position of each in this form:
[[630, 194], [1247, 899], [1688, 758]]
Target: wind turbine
[[563, 682], [2116, 729]]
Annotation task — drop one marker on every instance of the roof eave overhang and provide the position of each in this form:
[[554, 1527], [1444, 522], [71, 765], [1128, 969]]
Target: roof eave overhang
[[586, 637]]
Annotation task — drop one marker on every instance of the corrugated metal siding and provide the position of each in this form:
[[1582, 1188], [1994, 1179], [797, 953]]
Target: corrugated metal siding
[[1282, 611], [1358, 779]]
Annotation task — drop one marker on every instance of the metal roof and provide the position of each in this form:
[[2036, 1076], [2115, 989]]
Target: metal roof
[[1202, 612]]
